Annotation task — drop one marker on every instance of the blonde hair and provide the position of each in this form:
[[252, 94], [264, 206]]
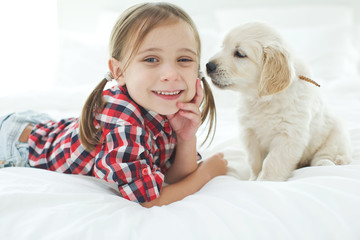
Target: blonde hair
[[129, 31]]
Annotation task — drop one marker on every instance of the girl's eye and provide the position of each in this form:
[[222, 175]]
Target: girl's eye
[[185, 60], [151, 60]]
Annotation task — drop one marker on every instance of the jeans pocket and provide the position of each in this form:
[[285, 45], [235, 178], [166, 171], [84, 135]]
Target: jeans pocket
[[22, 159]]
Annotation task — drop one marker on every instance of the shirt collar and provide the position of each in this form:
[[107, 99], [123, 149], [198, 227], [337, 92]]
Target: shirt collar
[[156, 122]]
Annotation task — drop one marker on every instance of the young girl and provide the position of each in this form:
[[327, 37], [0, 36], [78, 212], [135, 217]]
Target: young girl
[[139, 133]]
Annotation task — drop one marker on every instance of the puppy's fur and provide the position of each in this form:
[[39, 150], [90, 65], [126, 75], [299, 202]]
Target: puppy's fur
[[285, 123]]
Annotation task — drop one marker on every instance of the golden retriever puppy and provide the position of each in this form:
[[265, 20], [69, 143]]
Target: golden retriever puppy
[[285, 122]]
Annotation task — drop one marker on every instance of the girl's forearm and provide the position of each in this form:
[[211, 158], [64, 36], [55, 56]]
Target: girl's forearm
[[185, 161], [185, 187]]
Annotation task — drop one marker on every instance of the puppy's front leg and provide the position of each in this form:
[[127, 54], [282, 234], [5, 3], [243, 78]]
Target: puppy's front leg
[[254, 156], [282, 159]]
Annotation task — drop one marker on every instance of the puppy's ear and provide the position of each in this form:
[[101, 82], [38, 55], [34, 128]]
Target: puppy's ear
[[276, 73]]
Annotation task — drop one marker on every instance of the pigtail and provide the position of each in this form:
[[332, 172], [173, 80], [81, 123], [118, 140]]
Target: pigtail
[[208, 109], [89, 134]]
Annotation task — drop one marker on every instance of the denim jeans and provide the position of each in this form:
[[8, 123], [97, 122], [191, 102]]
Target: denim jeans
[[12, 152]]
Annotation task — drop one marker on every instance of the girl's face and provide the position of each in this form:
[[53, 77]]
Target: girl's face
[[164, 70]]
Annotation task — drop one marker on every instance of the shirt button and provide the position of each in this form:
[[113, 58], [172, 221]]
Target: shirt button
[[145, 171]]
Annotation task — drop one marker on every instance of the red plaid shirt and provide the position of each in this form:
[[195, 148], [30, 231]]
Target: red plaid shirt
[[137, 149]]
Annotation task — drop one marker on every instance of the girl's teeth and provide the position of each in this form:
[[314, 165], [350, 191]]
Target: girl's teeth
[[168, 93]]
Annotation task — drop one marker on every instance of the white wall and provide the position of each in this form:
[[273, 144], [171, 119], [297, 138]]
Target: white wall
[[28, 44]]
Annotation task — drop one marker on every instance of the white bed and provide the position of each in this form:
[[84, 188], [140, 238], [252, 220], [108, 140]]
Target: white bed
[[316, 203]]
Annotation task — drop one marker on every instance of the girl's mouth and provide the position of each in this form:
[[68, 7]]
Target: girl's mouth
[[168, 95]]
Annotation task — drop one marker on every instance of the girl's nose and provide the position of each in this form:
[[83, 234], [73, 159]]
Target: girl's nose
[[169, 73]]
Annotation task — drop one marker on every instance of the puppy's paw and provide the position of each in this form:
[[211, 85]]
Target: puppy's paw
[[342, 160], [253, 177], [271, 177], [323, 162], [275, 179]]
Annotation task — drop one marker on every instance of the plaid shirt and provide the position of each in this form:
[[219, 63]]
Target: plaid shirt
[[137, 149]]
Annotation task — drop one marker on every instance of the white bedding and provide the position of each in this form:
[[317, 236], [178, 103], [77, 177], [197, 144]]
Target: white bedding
[[316, 203]]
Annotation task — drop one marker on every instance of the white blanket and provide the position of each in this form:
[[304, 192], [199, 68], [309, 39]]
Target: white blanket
[[317, 203]]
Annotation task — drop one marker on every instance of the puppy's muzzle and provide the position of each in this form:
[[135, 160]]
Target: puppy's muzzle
[[216, 76], [210, 67]]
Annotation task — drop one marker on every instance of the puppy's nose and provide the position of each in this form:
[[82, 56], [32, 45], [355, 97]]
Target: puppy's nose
[[210, 67]]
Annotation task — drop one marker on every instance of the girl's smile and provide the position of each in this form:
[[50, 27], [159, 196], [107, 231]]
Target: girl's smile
[[169, 95]]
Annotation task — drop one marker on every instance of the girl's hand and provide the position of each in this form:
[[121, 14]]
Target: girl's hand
[[214, 166], [187, 120]]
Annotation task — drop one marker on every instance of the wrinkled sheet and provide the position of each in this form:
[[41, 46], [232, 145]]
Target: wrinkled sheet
[[317, 203]]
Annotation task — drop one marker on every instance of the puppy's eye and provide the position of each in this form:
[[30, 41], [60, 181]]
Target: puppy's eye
[[239, 54]]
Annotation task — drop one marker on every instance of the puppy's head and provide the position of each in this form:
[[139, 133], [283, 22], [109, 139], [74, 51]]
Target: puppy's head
[[253, 58]]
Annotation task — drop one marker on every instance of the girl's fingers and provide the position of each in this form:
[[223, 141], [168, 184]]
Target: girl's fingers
[[192, 117], [170, 116], [199, 93], [190, 111], [189, 107]]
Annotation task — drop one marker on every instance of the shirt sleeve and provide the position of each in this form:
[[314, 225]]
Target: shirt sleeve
[[128, 161]]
